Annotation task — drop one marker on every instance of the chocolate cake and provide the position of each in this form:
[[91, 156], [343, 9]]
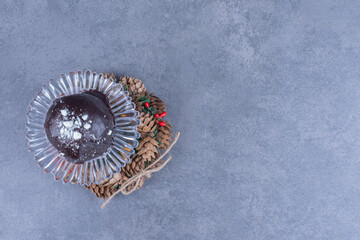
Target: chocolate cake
[[80, 126]]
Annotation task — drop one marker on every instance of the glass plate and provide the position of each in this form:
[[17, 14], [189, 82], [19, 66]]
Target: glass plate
[[125, 132]]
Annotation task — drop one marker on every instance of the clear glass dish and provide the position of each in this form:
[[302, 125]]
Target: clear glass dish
[[125, 131]]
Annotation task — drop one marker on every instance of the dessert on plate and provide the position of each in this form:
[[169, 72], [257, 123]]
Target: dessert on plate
[[82, 127]]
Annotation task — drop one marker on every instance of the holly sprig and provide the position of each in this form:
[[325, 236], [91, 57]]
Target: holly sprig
[[147, 108], [145, 102]]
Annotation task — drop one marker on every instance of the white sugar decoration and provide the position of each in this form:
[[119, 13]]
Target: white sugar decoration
[[109, 132], [77, 135], [64, 112], [78, 122], [70, 127], [68, 124], [85, 117]]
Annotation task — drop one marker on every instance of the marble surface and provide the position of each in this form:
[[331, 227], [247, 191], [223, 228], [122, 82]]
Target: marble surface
[[266, 95]]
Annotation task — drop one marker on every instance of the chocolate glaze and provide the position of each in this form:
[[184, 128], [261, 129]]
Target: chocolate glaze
[[80, 126]]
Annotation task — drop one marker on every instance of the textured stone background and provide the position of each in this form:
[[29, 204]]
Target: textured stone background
[[265, 93]]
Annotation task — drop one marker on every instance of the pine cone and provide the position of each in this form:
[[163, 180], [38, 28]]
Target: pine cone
[[157, 104], [134, 85], [107, 187], [138, 102], [115, 179], [148, 149], [164, 135], [108, 75], [134, 167], [101, 191], [148, 124]]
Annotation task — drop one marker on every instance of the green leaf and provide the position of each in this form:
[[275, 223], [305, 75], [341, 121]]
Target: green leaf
[[145, 97], [125, 87], [155, 133], [153, 110]]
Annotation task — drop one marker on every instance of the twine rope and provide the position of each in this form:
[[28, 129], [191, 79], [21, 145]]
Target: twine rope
[[145, 173]]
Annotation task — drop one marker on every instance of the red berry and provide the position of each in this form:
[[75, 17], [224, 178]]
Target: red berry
[[163, 114], [157, 115], [162, 124], [147, 105]]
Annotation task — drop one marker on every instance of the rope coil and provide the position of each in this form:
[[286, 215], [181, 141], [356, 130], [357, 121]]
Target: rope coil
[[146, 173]]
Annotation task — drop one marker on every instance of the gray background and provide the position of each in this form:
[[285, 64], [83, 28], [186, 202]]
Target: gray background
[[265, 93]]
